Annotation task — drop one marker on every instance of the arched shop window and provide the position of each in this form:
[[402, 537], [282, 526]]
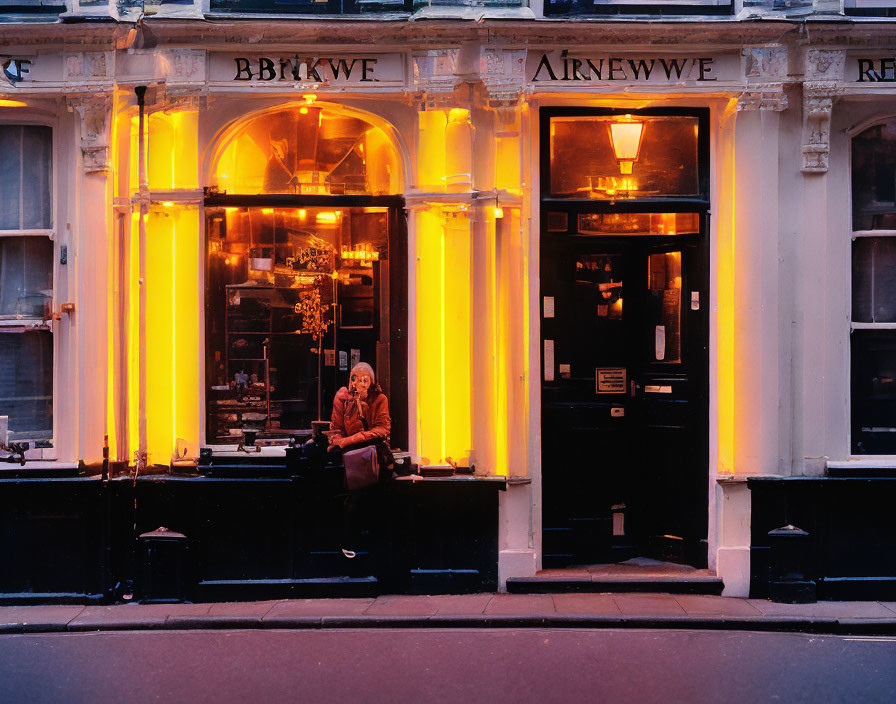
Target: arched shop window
[[873, 338], [301, 235]]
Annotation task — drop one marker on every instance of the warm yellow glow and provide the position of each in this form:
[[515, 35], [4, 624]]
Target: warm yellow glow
[[302, 213], [443, 335], [326, 217], [458, 151], [255, 154], [725, 347], [499, 213], [625, 138], [172, 150], [167, 203], [500, 291], [455, 292], [172, 332], [7, 103], [431, 150], [429, 315], [133, 338], [267, 211], [309, 98]]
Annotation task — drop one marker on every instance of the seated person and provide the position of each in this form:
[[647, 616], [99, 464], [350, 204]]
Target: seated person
[[360, 417], [360, 412]]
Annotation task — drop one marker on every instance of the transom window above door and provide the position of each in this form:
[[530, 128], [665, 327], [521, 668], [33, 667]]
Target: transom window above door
[[624, 156]]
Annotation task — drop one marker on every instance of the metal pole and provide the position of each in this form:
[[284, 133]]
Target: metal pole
[[143, 198]]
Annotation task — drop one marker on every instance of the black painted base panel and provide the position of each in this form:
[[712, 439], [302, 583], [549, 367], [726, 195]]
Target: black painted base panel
[[267, 589]]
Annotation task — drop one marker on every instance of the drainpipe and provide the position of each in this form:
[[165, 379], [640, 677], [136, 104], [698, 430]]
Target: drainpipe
[[143, 199]]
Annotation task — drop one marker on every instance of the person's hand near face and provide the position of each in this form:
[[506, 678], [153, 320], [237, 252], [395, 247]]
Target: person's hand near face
[[361, 384]]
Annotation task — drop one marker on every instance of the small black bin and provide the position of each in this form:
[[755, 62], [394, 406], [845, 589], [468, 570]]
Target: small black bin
[[162, 551]]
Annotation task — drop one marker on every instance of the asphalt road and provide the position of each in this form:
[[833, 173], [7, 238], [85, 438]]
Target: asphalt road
[[494, 666]]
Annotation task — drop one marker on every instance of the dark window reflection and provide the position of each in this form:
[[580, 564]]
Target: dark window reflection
[[874, 178], [293, 299]]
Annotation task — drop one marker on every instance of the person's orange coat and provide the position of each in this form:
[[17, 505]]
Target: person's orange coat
[[346, 421]]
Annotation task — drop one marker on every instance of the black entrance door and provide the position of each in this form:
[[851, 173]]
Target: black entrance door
[[623, 399], [624, 332]]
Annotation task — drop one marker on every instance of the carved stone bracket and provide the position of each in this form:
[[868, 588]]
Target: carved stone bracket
[[765, 75], [765, 63], [503, 73], [434, 76], [184, 66], [173, 99], [94, 113], [825, 64], [768, 96], [818, 102], [88, 67]]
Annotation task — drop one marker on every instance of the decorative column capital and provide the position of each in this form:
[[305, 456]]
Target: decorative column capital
[[769, 96], [434, 77], [765, 75], [818, 103], [503, 73], [94, 112]]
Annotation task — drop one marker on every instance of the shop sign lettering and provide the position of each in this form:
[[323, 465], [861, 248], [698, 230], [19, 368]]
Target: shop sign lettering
[[323, 70], [566, 67], [880, 70], [15, 70]]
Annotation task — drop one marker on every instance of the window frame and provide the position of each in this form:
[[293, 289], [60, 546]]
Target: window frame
[[398, 286], [852, 133], [26, 118]]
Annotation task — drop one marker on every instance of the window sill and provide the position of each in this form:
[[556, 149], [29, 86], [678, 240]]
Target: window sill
[[859, 462]]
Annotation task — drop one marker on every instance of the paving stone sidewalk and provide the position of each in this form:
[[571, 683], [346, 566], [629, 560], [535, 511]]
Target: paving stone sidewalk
[[468, 611]]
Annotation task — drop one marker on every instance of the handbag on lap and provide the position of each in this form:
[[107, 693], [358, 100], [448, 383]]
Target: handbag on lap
[[362, 467]]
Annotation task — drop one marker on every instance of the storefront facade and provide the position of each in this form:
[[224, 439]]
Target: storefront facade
[[601, 267]]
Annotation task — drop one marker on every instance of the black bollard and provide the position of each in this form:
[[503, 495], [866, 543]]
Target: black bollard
[[788, 570]]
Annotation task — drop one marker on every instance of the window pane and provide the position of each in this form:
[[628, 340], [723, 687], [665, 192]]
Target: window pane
[[874, 178], [308, 151], [25, 182], [36, 169], [874, 391], [874, 280], [10, 176], [26, 276], [639, 224], [664, 284], [26, 383], [659, 159], [293, 295]]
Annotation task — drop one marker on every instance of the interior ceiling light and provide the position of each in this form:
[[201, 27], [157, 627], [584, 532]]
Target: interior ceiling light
[[7, 103], [625, 137]]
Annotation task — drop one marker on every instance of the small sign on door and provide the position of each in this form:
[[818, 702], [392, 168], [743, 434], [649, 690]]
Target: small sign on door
[[610, 380]]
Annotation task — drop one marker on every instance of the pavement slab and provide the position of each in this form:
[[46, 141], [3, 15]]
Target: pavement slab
[[36, 618], [891, 605], [591, 604], [696, 605], [648, 605], [461, 604], [520, 604], [402, 606], [133, 615], [315, 608], [824, 609], [242, 608]]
